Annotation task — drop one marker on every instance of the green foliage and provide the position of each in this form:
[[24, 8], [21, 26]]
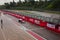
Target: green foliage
[[2, 7], [55, 5], [31, 4], [7, 5], [49, 7]]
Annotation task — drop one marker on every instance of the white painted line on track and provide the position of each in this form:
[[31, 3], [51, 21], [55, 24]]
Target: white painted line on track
[[23, 28], [31, 35], [37, 34]]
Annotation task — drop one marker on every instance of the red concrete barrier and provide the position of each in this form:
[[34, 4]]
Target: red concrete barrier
[[59, 28], [43, 23]]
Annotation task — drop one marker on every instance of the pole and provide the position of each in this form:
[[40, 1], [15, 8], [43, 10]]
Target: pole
[[1, 23]]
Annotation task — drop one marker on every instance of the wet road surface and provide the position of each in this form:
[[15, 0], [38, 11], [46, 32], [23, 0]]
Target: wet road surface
[[39, 30], [11, 31]]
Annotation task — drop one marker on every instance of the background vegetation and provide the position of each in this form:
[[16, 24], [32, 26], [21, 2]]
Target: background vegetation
[[33, 5]]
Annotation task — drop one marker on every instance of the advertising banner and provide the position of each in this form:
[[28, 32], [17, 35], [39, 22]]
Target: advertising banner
[[51, 25], [37, 22], [23, 17], [31, 20]]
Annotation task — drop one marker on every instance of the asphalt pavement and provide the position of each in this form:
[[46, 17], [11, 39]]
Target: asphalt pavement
[[49, 35], [12, 31]]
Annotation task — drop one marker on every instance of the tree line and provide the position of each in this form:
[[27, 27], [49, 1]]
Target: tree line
[[48, 5]]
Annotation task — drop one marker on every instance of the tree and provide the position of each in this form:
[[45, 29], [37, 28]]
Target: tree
[[11, 4], [55, 5], [14, 3], [7, 6], [41, 3], [19, 3], [32, 2]]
